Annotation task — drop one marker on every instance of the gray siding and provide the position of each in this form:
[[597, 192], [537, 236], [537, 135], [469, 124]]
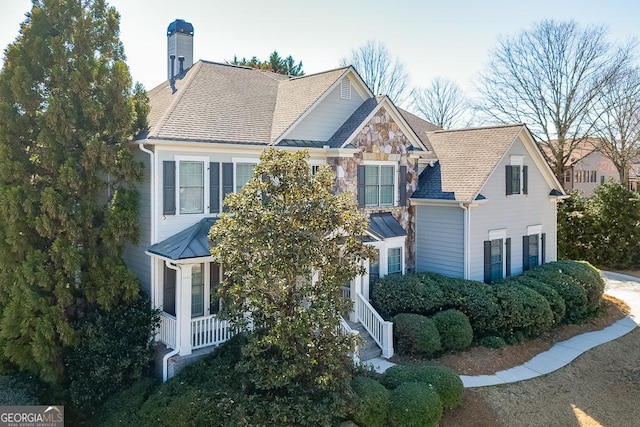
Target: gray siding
[[325, 119], [134, 255], [440, 240], [513, 213]]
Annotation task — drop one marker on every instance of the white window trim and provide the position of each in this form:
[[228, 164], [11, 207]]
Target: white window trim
[[516, 160], [396, 195], [383, 247], [206, 201], [498, 233], [241, 160]]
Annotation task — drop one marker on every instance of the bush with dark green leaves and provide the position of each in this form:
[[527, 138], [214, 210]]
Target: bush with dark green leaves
[[573, 294], [372, 405], [415, 334], [556, 303], [475, 299], [455, 330], [19, 389], [115, 349], [588, 277], [123, 408], [492, 342], [525, 312], [444, 380], [415, 405], [412, 293]]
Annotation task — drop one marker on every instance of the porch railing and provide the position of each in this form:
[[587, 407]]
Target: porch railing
[[209, 330], [347, 330], [167, 330], [379, 329]]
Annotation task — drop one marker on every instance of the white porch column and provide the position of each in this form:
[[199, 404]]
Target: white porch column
[[183, 309], [364, 282]]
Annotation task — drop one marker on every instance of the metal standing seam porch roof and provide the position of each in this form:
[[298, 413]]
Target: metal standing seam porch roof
[[193, 242]]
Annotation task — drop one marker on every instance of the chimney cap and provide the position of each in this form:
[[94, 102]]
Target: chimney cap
[[180, 26]]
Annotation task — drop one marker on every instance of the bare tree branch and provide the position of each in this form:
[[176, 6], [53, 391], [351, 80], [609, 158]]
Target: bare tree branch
[[550, 77], [383, 74], [442, 103]]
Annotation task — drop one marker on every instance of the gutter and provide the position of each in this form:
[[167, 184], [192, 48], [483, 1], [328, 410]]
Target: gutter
[[165, 359]]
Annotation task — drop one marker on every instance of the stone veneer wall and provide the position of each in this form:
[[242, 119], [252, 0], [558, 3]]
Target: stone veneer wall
[[381, 139]]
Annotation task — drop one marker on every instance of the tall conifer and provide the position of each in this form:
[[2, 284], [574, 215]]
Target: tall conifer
[[67, 203]]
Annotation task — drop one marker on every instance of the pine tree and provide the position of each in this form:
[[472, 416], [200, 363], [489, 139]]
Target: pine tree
[[67, 203]]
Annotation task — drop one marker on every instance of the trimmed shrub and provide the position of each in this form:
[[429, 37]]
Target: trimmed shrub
[[525, 313], [556, 303], [444, 380], [589, 278], [373, 405], [19, 389], [492, 342], [410, 293], [455, 330], [573, 294], [115, 349], [476, 300], [415, 405], [123, 408], [415, 334]]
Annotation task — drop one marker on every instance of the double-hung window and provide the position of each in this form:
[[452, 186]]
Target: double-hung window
[[191, 181], [394, 261], [496, 259], [379, 185], [533, 250], [197, 290], [244, 172], [516, 174], [497, 256]]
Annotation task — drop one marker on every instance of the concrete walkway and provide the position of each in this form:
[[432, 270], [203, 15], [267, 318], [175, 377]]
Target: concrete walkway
[[626, 288]]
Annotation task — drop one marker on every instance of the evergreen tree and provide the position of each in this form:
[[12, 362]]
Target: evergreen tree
[[275, 63], [67, 204], [287, 245]]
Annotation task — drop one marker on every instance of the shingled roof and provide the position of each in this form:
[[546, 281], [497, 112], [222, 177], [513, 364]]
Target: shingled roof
[[467, 158], [214, 102]]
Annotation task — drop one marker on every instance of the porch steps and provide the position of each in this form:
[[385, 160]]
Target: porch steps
[[369, 349]]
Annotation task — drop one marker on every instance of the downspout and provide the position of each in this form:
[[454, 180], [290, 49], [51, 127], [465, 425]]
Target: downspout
[[152, 218], [467, 237], [165, 359]]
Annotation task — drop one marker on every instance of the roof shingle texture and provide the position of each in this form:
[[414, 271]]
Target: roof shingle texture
[[226, 103], [467, 158]]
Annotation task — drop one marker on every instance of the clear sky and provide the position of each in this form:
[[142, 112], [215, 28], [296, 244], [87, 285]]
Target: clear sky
[[450, 38]]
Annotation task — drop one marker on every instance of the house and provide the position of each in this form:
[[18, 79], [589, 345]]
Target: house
[[208, 124], [487, 209], [587, 168]]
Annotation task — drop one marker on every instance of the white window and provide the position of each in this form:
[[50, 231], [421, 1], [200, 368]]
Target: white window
[[379, 185], [244, 172], [394, 261], [191, 178], [197, 290]]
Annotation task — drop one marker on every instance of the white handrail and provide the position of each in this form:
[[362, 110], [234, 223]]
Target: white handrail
[[347, 330], [380, 330], [209, 330]]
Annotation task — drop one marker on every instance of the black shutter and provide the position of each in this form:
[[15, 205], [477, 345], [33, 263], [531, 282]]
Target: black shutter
[[525, 180], [487, 261], [543, 240], [214, 187], [402, 190], [508, 181], [227, 180], [507, 257], [525, 253], [169, 291], [169, 187], [361, 187]]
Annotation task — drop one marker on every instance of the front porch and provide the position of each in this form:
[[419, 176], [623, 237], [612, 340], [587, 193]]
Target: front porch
[[205, 331]]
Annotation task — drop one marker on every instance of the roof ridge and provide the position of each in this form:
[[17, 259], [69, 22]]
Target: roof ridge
[[195, 69], [318, 73], [478, 128]]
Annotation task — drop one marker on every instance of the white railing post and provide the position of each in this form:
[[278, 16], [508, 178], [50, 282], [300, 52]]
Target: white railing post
[[379, 329]]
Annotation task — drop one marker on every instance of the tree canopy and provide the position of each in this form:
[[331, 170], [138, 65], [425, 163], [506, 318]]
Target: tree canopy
[[67, 204], [550, 78], [287, 244], [275, 63], [442, 103]]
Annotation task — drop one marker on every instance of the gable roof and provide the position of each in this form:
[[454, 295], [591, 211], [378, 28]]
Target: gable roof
[[192, 242], [467, 157], [384, 226], [234, 104]]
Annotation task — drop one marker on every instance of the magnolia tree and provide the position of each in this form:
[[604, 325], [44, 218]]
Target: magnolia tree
[[287, 244]]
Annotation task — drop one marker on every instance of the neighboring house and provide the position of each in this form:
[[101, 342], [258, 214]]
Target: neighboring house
[[487, 209], [587, 168], [207, 127]]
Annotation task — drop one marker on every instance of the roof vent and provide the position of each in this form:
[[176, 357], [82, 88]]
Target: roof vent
[[345, 89]]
